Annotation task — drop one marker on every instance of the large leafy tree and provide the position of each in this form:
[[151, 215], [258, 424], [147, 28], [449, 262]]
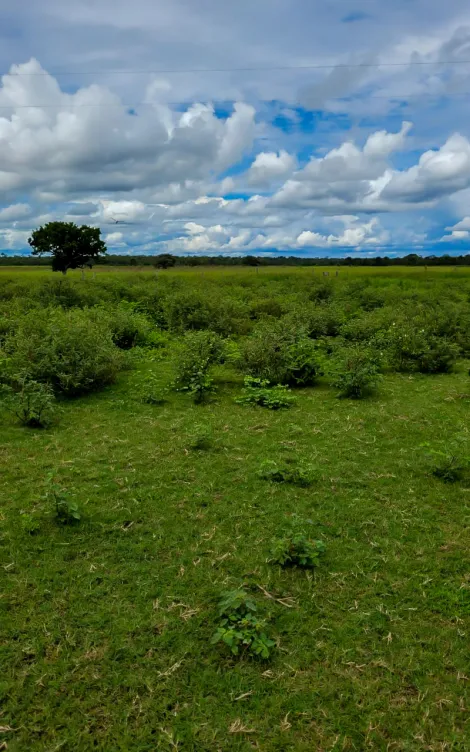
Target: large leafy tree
[[71, 246]]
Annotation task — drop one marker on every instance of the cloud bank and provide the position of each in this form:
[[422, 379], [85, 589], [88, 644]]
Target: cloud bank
[[271, 149]]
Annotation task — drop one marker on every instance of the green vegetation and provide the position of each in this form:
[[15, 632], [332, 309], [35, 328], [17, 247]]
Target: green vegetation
[[240, 628], [69, 246], [182, 576], [30, 402], [295, 549], [261, 392]]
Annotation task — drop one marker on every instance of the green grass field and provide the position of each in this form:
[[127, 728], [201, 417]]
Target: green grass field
[[240, 272], [106, 625]]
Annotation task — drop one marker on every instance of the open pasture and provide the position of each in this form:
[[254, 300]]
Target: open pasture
[[181, 488]]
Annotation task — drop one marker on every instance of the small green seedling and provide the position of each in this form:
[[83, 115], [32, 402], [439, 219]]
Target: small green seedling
[[29, 523], [66, 511]]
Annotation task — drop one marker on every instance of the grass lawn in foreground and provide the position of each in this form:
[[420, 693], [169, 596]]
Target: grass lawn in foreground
[[106, 625]]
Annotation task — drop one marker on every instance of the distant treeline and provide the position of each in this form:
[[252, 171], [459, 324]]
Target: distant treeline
[[167, 260]]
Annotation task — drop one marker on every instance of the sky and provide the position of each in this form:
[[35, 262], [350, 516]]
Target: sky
[[332, 128]]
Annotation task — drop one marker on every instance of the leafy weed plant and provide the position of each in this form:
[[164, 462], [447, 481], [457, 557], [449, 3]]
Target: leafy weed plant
[[354, 372], [296, 475], [240, 629], [295, 549], [29, 523], [32, 403], [152, 392], [66, 511], [197, 353], [202, 439], [260, 392], [451, 463]]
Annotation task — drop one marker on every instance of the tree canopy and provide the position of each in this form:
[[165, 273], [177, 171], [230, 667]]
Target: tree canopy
[[164, 261], [71, 246]]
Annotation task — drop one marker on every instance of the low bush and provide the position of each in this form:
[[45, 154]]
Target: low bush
[[69, 350], [240, 629], [280, 353], [202, 439], [354, 371], [128, 327], [367, 326], [451, 462], [267, 307], [58, 291], [31, 402], [65, 510], [185, 310], [321, 291], [197, 353], [29, 523], [260, 392], [296, 475], [317, 321], [295, 549], [420, 350], [228, 316], [151, 391]]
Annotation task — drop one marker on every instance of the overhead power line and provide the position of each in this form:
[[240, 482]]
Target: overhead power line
[[205, 100], [248, 69]]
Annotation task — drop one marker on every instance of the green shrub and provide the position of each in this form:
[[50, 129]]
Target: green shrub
[[186, 310], [31, 402], [29, 523], [267, 307], [151, 391], [128, 327], [321, 291], [239, 628], [228, 316], [317, 321], [280, 353], [58, 292], [302, 362], [69, 350], [295, 549], [260, 392], [6, 326], [419, 350], [450, 463], [202, 439], [354, 371], [296, 475], [65, 510], [197, 353], [366, 327]]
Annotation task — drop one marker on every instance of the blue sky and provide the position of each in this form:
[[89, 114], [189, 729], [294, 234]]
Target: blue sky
[[280, 126]]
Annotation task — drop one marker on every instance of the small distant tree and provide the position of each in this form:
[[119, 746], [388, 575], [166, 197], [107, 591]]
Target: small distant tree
[[251, 261], [70, 246], [164, 261]]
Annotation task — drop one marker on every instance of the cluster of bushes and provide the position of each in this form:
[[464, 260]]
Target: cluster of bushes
[[65, 352], [66, 337]]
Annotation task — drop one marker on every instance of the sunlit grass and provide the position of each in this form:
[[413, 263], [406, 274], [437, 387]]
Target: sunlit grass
[[106, 625]]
